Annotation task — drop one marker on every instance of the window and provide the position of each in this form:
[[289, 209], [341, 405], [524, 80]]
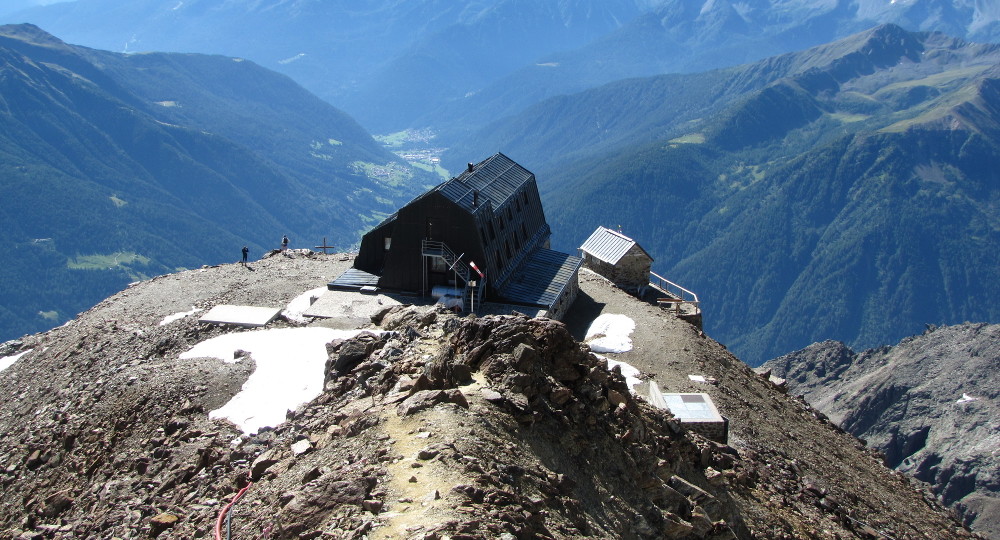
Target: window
[[510, 215], [493, 233], [388, 243], [524, 196], [438, 264], [500, 221], [506, 244], [499, 261], [482, 233], [524, 232]]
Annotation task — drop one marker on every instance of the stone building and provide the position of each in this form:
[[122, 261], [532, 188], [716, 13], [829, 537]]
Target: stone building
[[617, 257]]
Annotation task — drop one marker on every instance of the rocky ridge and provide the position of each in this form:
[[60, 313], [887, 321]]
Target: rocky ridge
[[928, 403], [429, 426]]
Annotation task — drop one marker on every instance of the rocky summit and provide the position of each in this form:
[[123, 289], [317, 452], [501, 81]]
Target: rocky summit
[[423, 425], [928, 403]]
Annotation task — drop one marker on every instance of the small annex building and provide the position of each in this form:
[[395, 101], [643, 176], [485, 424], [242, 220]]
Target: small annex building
[[617, 257], [489, 216]]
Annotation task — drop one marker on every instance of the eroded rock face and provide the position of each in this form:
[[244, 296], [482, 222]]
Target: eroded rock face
[[556, 398], [929, 403]]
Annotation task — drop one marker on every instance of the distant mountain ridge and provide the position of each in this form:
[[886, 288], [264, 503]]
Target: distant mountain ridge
[[820, 187], [395, 64], [121, 167], [929, 403]]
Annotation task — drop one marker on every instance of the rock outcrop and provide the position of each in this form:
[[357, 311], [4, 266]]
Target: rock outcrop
[[929, 404], [428, 426]]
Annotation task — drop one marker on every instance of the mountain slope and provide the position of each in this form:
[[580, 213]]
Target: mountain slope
[[846, 75], [118, 167], [823, 188], [385, 61], [929, 403], [494, 426], [398, 64]]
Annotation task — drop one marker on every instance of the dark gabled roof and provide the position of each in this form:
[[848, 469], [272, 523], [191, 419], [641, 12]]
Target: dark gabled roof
[[540, 278], [609, 246], [496, 179]]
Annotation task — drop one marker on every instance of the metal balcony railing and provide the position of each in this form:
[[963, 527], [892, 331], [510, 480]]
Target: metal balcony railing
[[674, 295]]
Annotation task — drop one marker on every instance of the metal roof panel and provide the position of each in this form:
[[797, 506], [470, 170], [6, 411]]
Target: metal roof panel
[[541, 277], [608, 245], [496, 179]]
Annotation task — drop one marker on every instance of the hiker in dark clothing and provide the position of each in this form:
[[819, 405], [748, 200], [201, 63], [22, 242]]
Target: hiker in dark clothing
[[284, 242], [246, 251]]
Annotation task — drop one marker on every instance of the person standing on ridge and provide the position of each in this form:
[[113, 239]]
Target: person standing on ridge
[[246, 251], [284, 242]]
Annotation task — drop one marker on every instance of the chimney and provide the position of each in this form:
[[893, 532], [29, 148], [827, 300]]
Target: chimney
[[471, 166]]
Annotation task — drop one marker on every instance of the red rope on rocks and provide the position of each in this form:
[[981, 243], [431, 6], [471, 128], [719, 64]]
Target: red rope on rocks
[[222, 514]]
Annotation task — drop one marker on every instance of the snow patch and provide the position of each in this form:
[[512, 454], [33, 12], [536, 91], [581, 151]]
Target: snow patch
[[289, 372], [292, 59], [631, 373], [298, 306], [966, 398], [177, 316], [609, 333], [7, 361]]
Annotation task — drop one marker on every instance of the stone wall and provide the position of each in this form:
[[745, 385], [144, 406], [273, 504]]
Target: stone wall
[[564, 302], [632, 270]]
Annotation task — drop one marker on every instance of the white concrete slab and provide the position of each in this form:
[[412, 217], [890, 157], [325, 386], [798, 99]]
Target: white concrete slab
[[349, 305], [251, 316], [692, 407], [655, 396]]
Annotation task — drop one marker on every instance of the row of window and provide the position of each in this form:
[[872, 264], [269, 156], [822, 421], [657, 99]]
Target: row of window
[[520, 237]]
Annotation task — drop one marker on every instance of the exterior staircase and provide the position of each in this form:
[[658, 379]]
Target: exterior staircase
[[472, 295]]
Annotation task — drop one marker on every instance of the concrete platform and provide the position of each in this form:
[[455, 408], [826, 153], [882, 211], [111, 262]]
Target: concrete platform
[[351, 305], [250, 316], [695, 411]]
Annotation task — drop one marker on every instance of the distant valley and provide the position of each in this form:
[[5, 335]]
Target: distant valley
[[116, 168]]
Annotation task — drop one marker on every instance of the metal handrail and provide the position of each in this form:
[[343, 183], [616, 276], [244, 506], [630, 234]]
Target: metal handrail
[[428, 248], [680, 294]]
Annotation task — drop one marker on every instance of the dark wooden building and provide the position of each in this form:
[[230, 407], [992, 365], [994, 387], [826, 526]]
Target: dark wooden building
[[490, 215]]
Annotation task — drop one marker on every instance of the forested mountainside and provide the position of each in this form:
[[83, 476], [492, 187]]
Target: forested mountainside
[[118, 167], [396, 64], [929, 403], [844, 192]]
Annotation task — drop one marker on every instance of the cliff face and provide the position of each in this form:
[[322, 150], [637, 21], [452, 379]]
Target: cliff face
[[427, 425], [928, 403]]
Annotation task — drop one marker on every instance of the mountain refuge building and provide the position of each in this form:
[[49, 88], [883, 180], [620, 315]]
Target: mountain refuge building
[[478, 237], [625, 263], [617, 257]]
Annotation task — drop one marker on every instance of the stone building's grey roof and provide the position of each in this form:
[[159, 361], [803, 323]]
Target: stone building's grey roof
[[608, 245]]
